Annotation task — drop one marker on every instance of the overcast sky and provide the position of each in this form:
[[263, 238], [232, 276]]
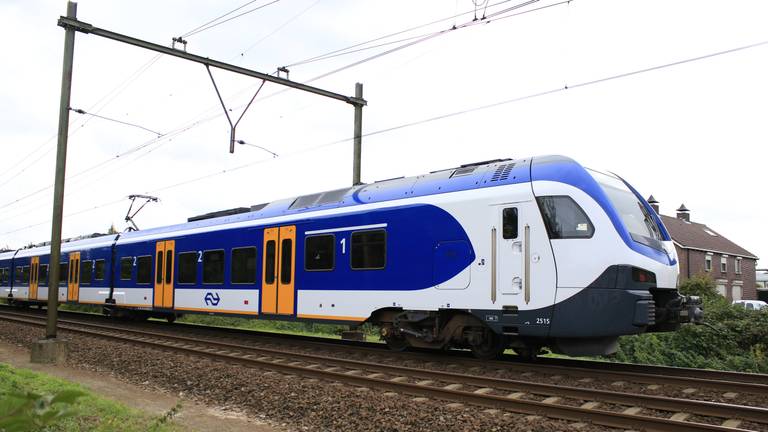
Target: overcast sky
[[693, 133]]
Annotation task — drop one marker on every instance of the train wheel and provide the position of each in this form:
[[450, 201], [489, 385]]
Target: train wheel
[[396, 343], [491, 347]]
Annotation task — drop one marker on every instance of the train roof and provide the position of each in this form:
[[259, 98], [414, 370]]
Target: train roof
[[90, 242], [465, 177], [477, 175]]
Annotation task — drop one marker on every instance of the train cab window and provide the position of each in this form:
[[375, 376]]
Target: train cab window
[[286, 258], [86, 272], [243, 265], [509, 223], [63, 273], [319, 252], [98, 269], [368, 250], [43, 277], [564, 218], [213, 267], [269, 262], [187, 267], [126, 264], [144, 269]]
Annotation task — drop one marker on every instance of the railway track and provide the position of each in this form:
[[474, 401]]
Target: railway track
[[600, 407]]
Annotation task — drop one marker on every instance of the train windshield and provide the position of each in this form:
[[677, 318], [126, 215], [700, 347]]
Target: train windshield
[[640, 224]]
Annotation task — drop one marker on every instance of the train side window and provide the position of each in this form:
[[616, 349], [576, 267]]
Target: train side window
[[98, 269], [509, 223], [213, 267], [125, 268], [286, 255], [17, 275], [144, 269], [243, 265], [25, 275], [187, 267], [369, 250], [43, 278], [269, 267], [319, 252], [86, 272], [564, 218], [2, 276], [63, 273]]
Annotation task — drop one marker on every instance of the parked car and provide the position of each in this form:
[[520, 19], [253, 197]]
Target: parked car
[[751, 304]]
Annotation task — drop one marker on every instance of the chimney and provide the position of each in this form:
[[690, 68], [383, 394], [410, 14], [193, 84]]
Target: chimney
[[654, 204], [683, 213]]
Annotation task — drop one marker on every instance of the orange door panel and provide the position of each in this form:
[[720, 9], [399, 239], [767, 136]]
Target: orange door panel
[[33, 277], [269, 280], [164, 256], [287, 271], [73, 281]]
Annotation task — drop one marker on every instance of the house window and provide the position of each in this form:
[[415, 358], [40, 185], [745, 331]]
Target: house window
[[738, 266], [708, 263], [736, 292], [724, 264], [720, 289]]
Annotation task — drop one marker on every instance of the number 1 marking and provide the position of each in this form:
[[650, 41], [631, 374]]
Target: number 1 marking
[[343, 246]]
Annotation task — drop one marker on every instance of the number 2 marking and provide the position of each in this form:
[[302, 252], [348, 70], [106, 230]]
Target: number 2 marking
[[199, 256], [134, 261], [343, 246]]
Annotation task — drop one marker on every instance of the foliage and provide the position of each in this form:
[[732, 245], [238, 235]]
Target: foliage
[[33, 411], [31, 401], [732, 338]]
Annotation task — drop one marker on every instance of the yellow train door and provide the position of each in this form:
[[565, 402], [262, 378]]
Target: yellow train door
[[33, 277], [73, 281], [164, 257], [278, 293]]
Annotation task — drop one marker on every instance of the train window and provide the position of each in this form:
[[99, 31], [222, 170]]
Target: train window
[[269, 263], [286, 256], [213, 267], [159, 268], [243, 265], [86, 272], [509, 223], [168, 266], [144, 269], [2, 275], [188, 268], [25, 275], [63, 273], [43, 278], [125, 268], [98, 270], [564, 218], [369, 250], [319, 252], [17, 275]]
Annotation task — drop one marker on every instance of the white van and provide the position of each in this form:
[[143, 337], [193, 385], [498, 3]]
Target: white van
[[751, 304]]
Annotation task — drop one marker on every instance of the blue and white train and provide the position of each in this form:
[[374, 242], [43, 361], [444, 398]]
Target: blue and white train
[[509, 253]]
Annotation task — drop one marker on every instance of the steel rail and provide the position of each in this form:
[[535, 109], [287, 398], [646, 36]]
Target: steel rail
[[605, 418]]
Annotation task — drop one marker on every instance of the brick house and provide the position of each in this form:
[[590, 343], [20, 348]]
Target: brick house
[[702, 250]]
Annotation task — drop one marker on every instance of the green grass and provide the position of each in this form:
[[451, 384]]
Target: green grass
[[89, 412], [285, 327]]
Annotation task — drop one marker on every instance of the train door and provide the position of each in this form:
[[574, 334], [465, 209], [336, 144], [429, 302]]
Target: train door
[[73, 284], [278, 293], [34, 271], [164, 256], [525, 266]]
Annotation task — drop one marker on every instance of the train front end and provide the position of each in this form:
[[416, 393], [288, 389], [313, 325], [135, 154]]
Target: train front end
[[620, 280]]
